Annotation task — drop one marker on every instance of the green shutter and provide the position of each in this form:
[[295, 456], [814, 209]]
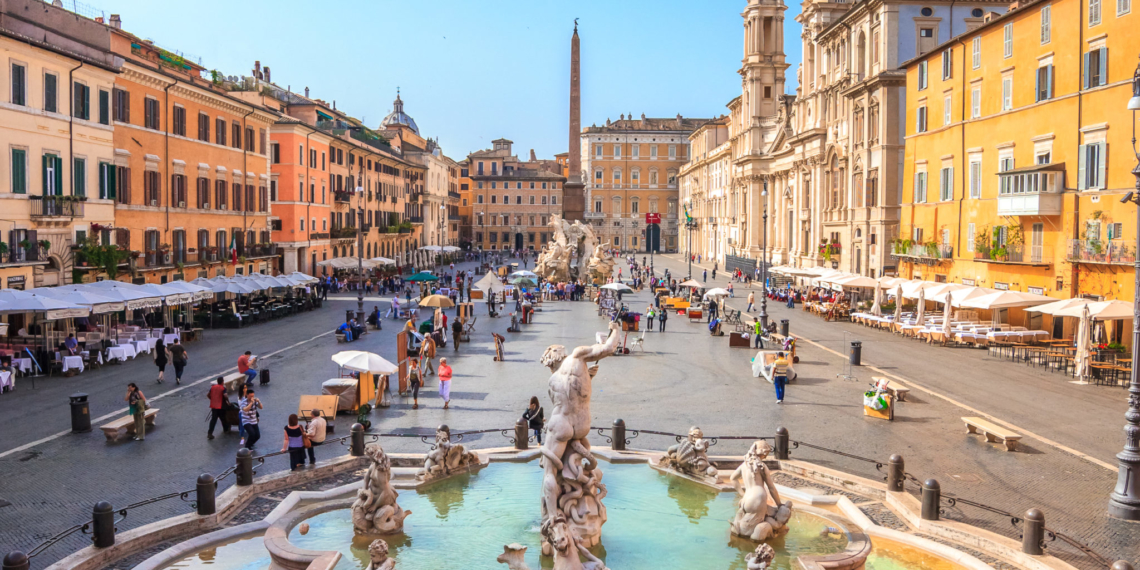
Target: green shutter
[[1082, 156], [78, 177], [104, 107], [19, 171], [58, 176], [112, 181], [102, 180]]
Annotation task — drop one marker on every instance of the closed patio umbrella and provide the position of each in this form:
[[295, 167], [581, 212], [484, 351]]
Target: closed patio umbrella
[[1083, 358], [921, 307], [877, 309], [898, 302]]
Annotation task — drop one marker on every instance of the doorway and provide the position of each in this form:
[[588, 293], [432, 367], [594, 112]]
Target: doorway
[[653, 238], [518, 241]]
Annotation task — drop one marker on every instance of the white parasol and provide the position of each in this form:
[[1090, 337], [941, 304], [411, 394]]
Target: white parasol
[[1083, 367], [898, 302], [877, 308], [919, 320], [362, 361], [621, 287]]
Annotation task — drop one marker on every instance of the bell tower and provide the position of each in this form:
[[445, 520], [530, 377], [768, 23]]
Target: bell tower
[[762, 69]]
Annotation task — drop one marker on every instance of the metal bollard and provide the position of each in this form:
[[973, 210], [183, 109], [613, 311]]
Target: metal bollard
[[357, 447], [618, 435], [205, 494], [1033, 532], [521, 435], [17, 560], [896, 474], [931, 497], [781, 447], [244, 472], [103, 525]]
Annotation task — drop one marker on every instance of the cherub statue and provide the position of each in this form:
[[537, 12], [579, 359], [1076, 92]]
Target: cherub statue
[[446, 458], [690, 456], [378, 556], [760, 515], [375, 510], [760, 558]]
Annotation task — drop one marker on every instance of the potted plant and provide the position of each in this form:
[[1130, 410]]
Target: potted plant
[[44, 244], [3, 249], [999, 253]]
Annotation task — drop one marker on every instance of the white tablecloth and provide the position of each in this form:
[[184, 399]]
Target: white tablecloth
[[7, 381], [73, 363], [142, 346], [22, 364], [116, 353], [169, 338]]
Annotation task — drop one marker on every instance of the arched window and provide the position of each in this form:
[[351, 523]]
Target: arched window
[[861, 56], [834, 203]]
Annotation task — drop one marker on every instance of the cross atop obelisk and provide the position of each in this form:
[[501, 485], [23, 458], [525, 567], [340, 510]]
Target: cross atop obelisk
[[573, 192]]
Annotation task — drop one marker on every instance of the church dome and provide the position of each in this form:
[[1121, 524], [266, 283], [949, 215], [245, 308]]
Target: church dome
[[398, 118]]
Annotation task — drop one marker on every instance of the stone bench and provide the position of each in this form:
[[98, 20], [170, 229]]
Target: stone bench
[[993, 432], [126, 425], [898, 392], [232, 381]]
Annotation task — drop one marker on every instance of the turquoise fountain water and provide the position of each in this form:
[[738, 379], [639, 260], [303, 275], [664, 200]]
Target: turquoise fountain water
[[656, 522]]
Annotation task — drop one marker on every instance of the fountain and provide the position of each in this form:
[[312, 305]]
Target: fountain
[[375, 510], [756, 517], [446, 458], [690, 456]]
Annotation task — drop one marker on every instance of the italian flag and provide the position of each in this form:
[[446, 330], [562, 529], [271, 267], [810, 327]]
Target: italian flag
[[233, 249]]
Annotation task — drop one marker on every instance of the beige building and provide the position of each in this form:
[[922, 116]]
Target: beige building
[[630, 170], [58, 73], [706, 182], [513, 201]]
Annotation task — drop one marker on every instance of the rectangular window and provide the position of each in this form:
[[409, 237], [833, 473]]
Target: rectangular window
[[235, 136], [635, 150], [106, 181], [150, 113], [1094, 12], [19, 84], [51, 95], [122, 184], [81, 102], [104, 107], [203, 127], [1123, 7], [152, 188], [1045, 82], [78, 177], [1006, 93], [920, 120], [121, 105], [249, 140], [1046, 25], [947, 64], [598, 150], [1091, 166], [617, 151], [946, 107], [179, 118], [1007, 40], [970, 228], [977, 49], [652, 151], [975, 180], [19, 171], [672, 151], [976, 102], [220, 131], [52, 175], [922, 75], [1095, 68], [919, 187], [946, 185]]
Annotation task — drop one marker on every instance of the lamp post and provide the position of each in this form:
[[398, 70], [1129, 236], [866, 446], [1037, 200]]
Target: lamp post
[[359, 190], [764, 261], [1124, 502]]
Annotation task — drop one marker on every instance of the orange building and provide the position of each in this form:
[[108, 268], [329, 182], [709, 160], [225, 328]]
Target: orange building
[[191, 169]]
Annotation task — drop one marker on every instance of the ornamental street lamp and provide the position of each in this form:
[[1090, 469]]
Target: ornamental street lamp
[[764, 262], [1124, 502], [360, 246]]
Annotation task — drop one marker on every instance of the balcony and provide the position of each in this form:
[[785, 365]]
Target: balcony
[[57, 206], [454, 217], [1031, 191], [17, 255], [415, 219], [928, 252], [342, 197], [1016, 255], [453, 195], [261, 250], [318, 235], [343, 233], [1109, 252]]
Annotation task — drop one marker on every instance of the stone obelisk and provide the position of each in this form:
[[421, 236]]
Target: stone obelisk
[[574, 191]]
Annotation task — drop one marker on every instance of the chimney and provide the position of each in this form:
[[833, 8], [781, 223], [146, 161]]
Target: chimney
[[533, 158], [643, 117], [267, 80], [99, 19], [334, 104], [306, 92], [116, 22], [257, 69]]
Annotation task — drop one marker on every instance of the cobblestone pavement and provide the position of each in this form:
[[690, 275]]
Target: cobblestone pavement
[[683, 378]]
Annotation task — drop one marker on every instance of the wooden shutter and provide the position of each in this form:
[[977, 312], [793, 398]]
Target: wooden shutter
[[44, 160], [50, 96], [1082, 160], [1085, 70], [1102, 163], [19, 171], [102, 180], [1103, 67], [104, 107]]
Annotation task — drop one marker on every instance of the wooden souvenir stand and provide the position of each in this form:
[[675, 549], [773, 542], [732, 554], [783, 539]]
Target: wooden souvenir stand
[[402, 356], [326, 405], [885, 414]]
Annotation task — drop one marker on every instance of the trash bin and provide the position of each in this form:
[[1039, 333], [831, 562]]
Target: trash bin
[[80, 413], [856, 353], [784, 326]]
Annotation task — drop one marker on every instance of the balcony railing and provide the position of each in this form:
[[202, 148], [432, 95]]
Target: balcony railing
[[453, 195], [318, 235], [1097, 251], [267, 250], [1031, 255], [57, 207], [415, 219], [343, 233], [928, 251], [18, 254], [342, 197]]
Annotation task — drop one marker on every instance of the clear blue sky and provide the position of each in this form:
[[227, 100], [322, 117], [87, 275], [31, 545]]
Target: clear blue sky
[[472, 71]]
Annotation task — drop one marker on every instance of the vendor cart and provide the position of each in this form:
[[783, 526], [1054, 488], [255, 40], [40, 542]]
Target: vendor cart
[[762, 365]]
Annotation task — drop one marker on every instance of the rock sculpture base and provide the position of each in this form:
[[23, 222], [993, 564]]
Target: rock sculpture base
[[690, 457], [375, 510], [446, 458]]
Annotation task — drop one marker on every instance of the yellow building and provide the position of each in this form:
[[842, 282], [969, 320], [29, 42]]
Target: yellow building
[[58, 73], [1018, 152]]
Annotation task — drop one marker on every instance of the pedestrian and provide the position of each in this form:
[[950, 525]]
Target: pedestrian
[[160, 359], [456, 332], [296, 440], [444, 381], [427, 353], [649, 315], [217, 396], [758, 331], [316, 431], [705, 275], [136, 401], [244, 366], [178, 357], [664, 316], [751, 301], [249, 411], [534, 419], [780, 376], [414, 383], [731, 291], [714, 271]]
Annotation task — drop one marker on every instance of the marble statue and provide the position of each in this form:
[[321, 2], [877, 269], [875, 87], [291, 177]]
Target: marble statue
[[375, 510], [690, 456], [563, 257], [512, 556], [572, 491], [601, 265], [761, 558], [378, 556], [760, 515], [446, 458]]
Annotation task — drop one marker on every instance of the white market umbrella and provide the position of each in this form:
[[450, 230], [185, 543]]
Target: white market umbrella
[[450, 249], [171, 295], [921, 307], [490, 284], [361, 361], [890, 282], [623, 288], [856, 281], [199, 292], [1056, 306], [911, 289], [941, 291], [130, 294], [31, 302], [222, 285], [524, 273], [877, 308], [384, 261], [898, 303], [301, 278], [1100, 310], [78, 295], [716, 292], [691, 283], [1083, 359], [1006, 299], [433, 248]]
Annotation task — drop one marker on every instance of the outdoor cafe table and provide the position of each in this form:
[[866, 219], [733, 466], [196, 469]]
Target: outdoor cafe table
[[122, 352], [22, 364], [169, 338], [73, 363]]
